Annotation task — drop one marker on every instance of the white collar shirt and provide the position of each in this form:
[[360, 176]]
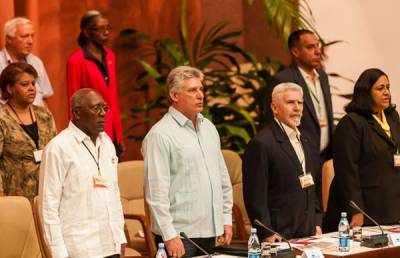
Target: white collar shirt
[[43, 85], [318, 100], [187, 184], [80, 220], [294, 138]]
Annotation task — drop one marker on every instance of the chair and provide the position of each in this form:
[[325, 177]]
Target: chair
[[240, 218], [46, 253], [328, 173], [130, 180], [17, 228]]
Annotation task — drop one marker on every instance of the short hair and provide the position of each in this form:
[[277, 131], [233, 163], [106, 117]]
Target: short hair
[[87, 21], [10, 26], [294, 37], [178, 75], [281, 88], [11, 74], [78, 98], [361, 101]]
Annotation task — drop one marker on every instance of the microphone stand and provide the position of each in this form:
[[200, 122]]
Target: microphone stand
[[373, 241], [288, 254], [195, 245]]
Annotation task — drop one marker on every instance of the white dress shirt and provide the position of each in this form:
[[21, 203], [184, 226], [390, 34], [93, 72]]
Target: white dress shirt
[[79, 219], [187, 184], [43, 86], [294, 138], [318, 100]]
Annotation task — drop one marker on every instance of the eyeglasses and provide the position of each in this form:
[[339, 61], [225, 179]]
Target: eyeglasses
[[99, 108], [102, 29]]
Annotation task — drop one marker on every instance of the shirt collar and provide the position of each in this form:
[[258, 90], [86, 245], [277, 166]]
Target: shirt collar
[[9, 59], [80, 136], [88, 55], [293, 134], [305, 75], [181, 118]]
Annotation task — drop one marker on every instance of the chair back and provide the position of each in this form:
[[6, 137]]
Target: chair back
[[130, 181], [17, 228], [44, 247], [234, 165], [328, 173]]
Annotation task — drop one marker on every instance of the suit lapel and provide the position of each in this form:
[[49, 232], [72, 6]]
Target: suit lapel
[[378, 129], [307, 97], [285, 144]]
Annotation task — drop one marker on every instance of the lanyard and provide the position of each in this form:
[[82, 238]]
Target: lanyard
[[313, 94], [95, 161], [301, 145]]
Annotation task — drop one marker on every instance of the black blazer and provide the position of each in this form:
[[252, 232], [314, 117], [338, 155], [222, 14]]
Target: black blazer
[[309, 122], [364, 169], [271, 186]]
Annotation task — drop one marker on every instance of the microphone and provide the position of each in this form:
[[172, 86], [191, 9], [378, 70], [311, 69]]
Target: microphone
[[288, 254], [372, 241], [195, 245]]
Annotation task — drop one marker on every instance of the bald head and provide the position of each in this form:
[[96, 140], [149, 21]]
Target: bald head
[[89, 111]]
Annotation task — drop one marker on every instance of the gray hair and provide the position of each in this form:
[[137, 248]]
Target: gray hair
[[281, 88], [178, 75], [78, 98], [11, 25]]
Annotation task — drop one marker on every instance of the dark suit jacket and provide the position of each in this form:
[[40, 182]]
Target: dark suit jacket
[[364, 169], [309, 122], [271, 186]]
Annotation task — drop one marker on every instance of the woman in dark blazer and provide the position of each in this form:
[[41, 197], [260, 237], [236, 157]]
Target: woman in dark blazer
[[365, 145]]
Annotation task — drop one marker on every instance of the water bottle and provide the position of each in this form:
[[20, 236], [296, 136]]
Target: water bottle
[[344, 238], [254, 248], [161, 251]]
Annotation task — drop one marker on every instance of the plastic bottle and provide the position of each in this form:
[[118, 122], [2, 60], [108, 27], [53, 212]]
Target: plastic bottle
[[254, 248], [161, 251], [344, 238]]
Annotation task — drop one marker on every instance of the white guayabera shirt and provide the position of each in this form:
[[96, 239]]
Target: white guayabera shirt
[[80, 220]]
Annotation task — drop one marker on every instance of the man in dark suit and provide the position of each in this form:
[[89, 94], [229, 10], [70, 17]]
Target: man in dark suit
[[278, 172], [317, 120]]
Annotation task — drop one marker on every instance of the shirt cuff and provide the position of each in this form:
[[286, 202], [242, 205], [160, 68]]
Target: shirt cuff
[[228, 219], [168, 233], [59, 251]]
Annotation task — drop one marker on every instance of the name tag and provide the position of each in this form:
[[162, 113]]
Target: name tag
[[99, 181], [306, 180], [396, 159], [312, 253], [394, 239], [37, 154]]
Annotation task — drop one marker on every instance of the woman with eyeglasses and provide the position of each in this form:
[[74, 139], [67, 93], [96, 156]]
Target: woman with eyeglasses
[[366, 156], [93, 66], [25, 129]]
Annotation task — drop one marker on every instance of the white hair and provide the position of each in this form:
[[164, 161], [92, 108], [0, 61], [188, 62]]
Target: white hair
[[178, 75], [11, 25], [281, 88]]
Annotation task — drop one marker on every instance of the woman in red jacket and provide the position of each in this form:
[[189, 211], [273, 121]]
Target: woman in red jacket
[[93, 66]]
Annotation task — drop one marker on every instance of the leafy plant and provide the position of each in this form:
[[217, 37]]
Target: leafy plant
[[234, 98]]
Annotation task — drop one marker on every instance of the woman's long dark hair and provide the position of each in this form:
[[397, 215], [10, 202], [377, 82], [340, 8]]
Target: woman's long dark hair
[[362, 102]]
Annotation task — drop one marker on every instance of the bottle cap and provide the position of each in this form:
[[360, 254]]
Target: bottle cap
[[343, 214], [160, 245], [253, 230]]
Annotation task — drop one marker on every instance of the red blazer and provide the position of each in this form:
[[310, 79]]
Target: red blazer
[[84, 73]]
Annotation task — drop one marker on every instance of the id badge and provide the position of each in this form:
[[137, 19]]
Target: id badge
[[37, 154], [396, 159], [99, 181], [306, 180]]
